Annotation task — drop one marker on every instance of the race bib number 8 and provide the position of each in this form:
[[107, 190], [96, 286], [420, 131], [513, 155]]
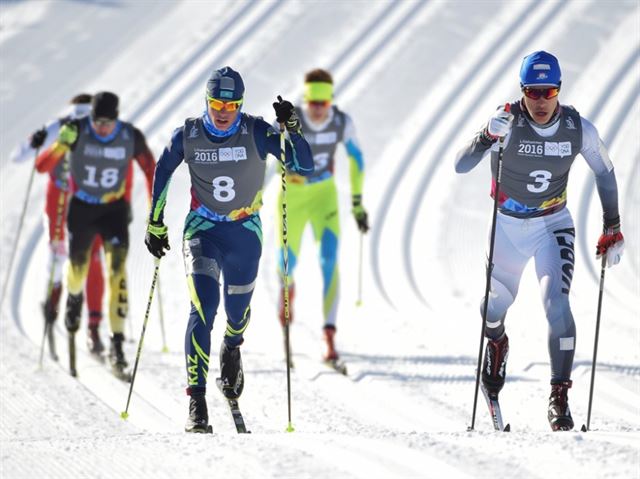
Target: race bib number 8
[[223, 188]]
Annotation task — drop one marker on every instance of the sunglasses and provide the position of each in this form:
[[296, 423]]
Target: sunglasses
[[218, 105], [103, 121], [321, 103], [537, 93]]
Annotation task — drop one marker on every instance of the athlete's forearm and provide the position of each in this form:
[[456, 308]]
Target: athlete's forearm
[[147, 164], [298, 157], [608, 193], [472, 153], [356, 168], [48, 160]]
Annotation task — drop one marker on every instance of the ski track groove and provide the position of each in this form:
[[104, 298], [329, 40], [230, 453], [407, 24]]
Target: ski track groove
[[410, 156]]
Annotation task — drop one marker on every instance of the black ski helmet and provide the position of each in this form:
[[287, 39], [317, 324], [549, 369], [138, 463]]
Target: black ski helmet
[[105, 105]]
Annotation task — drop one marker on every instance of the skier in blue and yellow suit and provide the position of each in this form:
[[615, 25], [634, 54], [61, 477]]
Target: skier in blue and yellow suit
[[314, 198], [225, 150]]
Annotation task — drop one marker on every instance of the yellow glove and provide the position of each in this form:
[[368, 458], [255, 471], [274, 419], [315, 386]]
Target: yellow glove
[[68, 134]]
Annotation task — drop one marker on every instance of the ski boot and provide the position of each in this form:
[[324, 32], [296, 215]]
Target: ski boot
[[494, 365], [332, 358], [74, 310], [559, 414], [116, 357], [72, 322], [50, 310], [198, 420], [94, 343], [281, 305], [231, 375], [329, 333]]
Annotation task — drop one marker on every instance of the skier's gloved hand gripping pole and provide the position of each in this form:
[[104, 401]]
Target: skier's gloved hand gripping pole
[[285, 115], [36, 142], [498, 127]]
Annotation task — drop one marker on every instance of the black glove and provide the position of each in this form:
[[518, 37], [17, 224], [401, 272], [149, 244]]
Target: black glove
[[360, 214], [38, 138], [157, 239], [286, 113]]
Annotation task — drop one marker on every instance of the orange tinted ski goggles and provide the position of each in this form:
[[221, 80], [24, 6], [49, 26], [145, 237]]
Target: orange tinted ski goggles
[[320, 103], [219, 105], [537, 93]]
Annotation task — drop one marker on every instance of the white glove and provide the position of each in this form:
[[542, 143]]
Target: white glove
[[500, 123]]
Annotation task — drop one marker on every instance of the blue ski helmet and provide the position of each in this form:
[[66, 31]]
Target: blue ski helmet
[[540, 69], [225, 84]]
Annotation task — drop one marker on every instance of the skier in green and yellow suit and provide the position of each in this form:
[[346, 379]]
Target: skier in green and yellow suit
[[314, 199]]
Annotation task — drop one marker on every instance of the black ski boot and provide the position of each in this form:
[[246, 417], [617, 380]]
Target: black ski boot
[[231, 375], [198, 420], [559, 414], [51, 305], [116, 357], [494, 365], [94, 343], [74, 310], [50, 309]]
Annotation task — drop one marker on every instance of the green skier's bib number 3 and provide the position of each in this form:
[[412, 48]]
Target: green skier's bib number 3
[[223, 189]]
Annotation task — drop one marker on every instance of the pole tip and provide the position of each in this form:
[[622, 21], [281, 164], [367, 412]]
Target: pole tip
[[584, 428], [124, 415], [290, 428], [165, 349], [358, 303]]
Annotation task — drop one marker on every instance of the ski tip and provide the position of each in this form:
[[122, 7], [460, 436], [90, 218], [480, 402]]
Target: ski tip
[[584, 428], [507, 428], [124, 415]]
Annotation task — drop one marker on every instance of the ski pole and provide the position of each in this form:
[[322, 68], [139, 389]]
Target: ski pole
[[485, 308], [19, 230], [125, 414], [285, 261], [165, 348], [57, 234], [595, 344], [359, 301]]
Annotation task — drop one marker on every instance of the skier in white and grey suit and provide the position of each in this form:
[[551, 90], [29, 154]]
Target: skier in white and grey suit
[[541, 140]]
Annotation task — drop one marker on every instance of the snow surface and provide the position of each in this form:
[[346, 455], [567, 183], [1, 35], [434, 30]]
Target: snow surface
[[418, 78]]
